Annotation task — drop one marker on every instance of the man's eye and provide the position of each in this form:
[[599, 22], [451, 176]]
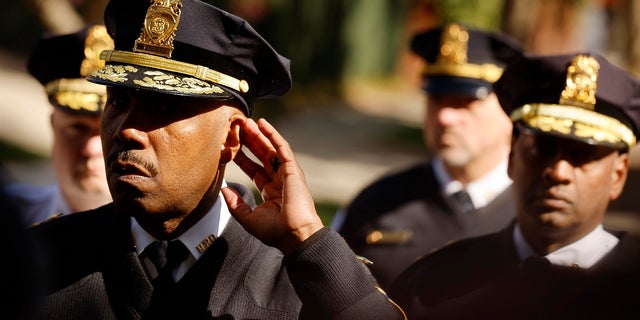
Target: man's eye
[[116, 102], [75, 130], [169, 108]]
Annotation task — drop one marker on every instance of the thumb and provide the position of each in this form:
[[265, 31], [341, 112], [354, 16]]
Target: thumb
[[236, 205]]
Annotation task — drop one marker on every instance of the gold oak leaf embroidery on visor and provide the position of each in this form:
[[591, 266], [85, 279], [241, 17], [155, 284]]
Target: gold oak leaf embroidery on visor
[[163, 81], [115, 73], [80, 100]]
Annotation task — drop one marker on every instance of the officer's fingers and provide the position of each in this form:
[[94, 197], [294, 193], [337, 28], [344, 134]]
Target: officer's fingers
[[255, 171], [282, 147], [258, 143], [236, 205]]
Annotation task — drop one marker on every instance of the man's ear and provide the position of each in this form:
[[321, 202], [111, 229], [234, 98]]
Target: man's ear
[[509, 164], [619, 175], [515, 133], [233, 141]]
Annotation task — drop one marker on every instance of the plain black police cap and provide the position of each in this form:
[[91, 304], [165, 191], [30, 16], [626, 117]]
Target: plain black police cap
[[578, 96], [61, 64], [190, 48], [463, 61]]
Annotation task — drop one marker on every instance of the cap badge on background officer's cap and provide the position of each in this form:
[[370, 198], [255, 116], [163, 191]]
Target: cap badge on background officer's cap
[[452, 58], [584, 110], [77, 94], [97, 40], [159, 29], [453, 45], [582, 78]]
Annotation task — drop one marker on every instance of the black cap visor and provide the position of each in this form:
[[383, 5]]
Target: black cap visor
[[469, 87], [160, 81]]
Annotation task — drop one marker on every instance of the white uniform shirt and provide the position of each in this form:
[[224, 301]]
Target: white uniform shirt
[[197, 239], [37, 203], [582, 253], [482, 191]]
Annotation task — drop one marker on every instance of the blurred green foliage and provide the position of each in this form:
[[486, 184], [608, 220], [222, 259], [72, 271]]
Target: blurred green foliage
[[12, 152], [325, 209], [328, 40], [481, 14], [19, 27]]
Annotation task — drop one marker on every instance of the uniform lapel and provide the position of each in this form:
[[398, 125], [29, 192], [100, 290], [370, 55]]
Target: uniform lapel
[[128, 287]]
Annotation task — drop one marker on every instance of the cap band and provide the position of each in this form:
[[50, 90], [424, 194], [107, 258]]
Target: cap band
[[79, 85], [196, 71], [488, 72], [575, 121], [76, 94]]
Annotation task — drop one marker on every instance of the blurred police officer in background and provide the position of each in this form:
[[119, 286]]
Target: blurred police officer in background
[[463, 190], [61, 63], [179, 241], [23, 281], [575, 118]]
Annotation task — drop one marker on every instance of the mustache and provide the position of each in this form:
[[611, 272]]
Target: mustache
[[126, 156], [550, 192]]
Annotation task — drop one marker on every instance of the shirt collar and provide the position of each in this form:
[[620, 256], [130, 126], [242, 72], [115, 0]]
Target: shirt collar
[[582, 253], [483, 190], [212, 223], [59, 203]]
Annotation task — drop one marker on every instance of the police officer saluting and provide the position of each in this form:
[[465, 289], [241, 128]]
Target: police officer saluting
[[179, 241]]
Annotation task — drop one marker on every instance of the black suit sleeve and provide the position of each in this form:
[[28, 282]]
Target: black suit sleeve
[[333, 284]]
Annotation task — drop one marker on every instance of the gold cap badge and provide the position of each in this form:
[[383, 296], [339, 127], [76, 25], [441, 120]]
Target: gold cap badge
[[159, 29], [78, 94], [453, 45], [453, 56], [97, 40], [575, 113], [581, 83]]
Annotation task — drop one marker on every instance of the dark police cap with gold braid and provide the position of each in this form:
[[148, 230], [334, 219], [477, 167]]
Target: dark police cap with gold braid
[[61, 64], [190, 48], [463, 61], [579, 96]]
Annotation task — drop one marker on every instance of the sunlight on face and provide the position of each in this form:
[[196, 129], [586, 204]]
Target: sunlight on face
[[563, 185]]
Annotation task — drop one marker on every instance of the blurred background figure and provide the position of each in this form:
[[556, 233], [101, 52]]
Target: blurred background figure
[[60, 64], [356, 108], [23, 280], [463, 190], [575, 118]]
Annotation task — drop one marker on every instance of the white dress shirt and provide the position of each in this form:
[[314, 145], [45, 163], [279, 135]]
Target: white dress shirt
[[211, 224], [582, 253], [482, 191]]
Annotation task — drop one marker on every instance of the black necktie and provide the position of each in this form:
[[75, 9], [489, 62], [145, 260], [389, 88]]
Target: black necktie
[[535, 263], [166, 256], [464, 200]]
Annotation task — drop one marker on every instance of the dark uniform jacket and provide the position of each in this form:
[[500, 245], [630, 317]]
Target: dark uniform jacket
[[95, 273], [410, 212], [483, 278]]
